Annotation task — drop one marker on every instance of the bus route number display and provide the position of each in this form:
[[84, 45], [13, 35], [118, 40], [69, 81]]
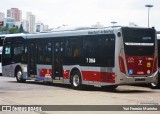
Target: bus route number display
[[91, 60]]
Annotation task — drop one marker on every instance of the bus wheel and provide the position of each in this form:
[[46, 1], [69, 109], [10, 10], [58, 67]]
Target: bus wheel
[[156, 85], [19, 76], [76, 80]]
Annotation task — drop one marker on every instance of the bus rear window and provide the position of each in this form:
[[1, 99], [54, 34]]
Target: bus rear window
[[138, 41]]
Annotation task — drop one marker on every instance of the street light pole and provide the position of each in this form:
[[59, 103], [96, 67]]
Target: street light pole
[[148, 6]]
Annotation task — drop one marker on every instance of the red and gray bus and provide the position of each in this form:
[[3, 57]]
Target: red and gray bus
[[157, 85], [103, 57], [2, 37], [1, 47]]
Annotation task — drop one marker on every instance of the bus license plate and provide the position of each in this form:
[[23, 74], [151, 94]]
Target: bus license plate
[[140, 79]]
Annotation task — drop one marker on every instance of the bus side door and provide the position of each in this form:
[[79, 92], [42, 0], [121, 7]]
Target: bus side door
[[32, 62], [57, 67]]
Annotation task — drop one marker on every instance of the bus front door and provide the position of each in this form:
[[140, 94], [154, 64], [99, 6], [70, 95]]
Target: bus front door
[[57, 60], [32, 60]]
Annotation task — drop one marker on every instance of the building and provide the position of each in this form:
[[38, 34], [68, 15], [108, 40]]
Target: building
[[10, 22], [2, 19], [30, 22], [24, 24], [14, 13], [18, 23], [46, 28], [2, 15], [39, 27]]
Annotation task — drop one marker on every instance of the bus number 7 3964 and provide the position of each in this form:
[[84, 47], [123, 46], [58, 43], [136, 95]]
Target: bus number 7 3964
[[105, 57]]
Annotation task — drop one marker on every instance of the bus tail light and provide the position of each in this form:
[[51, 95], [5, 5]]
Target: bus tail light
[[121, 65], [155, 65], [113, 77]]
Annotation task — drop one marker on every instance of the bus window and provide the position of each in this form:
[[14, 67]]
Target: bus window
[[158, 52], [1, 48], [73, 47], [90, 47], [139, 42], [7, 56], [101, 48], [41, 52], [44, 53], [25, 52], [18, 51], [8, 52], [107, 51], [48, 53]]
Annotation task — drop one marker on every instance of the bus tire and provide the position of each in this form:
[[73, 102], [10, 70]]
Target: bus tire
[[19, 76], [156, 85], [76, 80]]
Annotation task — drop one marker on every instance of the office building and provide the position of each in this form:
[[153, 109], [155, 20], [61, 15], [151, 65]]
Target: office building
[[30, 22], [46, 28], [39, 27], [2, 15], [10, 22], [14, 13]]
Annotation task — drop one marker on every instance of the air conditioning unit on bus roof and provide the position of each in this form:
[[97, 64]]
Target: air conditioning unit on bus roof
[[72, 29]]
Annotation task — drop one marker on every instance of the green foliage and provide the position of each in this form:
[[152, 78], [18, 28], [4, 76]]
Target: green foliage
[[21, 29], [7, 26], [13, 29]]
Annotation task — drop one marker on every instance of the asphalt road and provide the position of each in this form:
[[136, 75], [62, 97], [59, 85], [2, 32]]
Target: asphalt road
[[37, 93]]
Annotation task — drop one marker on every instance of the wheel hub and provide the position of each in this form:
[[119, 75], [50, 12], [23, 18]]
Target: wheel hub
[[19, 75], [76, 80]]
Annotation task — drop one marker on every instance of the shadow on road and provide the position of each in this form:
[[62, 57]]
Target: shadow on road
[[67, 86], [120, 89]]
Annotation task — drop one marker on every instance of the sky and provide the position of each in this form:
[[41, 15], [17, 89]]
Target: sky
[[84, 13]]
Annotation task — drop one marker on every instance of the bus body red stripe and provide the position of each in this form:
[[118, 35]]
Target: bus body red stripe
[[99, 76]]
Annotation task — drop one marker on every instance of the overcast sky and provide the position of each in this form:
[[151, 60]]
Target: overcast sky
[[88, 12]]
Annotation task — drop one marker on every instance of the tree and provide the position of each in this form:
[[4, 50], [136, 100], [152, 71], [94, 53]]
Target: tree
[[21, 30], [4, 29], [7, 26], [1, 29], [13, 30]]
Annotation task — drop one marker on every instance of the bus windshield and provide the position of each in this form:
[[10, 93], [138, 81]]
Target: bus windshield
[[140, 42]]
